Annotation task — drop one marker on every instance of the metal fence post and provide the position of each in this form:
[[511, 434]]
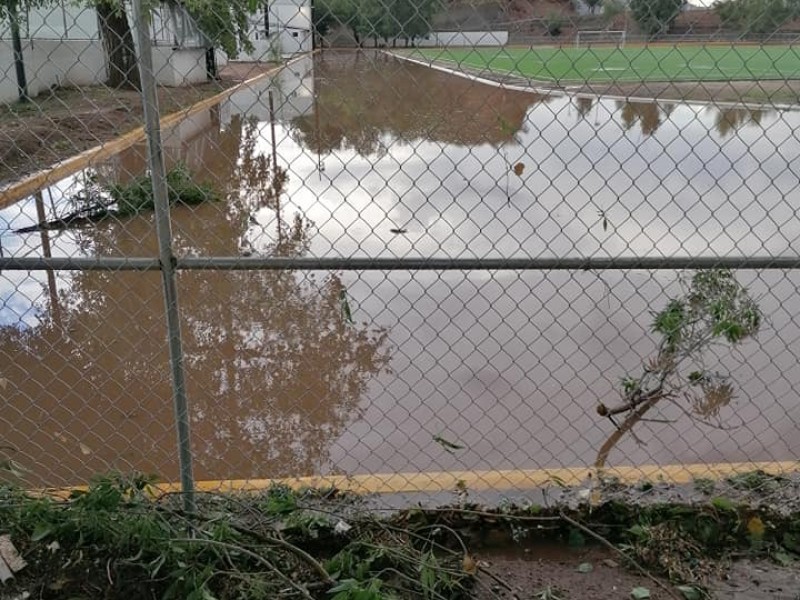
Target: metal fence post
[[166, 257]]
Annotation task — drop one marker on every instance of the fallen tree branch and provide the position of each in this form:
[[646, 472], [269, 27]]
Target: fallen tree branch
[[612, 547]]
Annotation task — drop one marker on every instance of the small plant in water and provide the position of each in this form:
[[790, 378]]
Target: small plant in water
[[715, 309], [137, 195], [98, 201]]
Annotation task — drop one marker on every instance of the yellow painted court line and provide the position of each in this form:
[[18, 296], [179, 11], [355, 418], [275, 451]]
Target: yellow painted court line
[[28, 185], [503, 480]]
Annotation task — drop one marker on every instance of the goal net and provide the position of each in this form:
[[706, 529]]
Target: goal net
[[586, 38]]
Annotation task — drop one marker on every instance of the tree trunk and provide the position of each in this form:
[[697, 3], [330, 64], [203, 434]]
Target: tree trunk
[[123, 72]]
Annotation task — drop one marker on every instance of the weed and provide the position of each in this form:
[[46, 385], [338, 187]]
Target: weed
[[549, 593], [121, 540], [756, 481], [704, 485]]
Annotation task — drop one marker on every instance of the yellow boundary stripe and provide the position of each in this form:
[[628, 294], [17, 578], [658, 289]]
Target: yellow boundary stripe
[[28, 185], [503, 480]]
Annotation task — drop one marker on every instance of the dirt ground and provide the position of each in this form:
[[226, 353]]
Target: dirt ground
[[555, 573], [66, 121], [757, 92]]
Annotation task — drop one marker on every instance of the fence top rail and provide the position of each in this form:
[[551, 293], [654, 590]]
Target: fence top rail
[[254, 263]]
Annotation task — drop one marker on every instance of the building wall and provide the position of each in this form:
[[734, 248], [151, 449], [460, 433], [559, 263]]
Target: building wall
[[50, 63], [463, 38], [57, 21], [179, 66], [286, 32]]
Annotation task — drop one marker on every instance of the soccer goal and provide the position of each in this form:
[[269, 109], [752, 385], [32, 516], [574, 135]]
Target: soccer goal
[[586, 38]]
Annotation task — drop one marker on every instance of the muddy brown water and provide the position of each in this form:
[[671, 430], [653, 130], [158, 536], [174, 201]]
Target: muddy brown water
[[509, 365]]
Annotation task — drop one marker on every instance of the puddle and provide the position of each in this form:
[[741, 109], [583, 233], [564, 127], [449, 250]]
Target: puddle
[[386, 158]]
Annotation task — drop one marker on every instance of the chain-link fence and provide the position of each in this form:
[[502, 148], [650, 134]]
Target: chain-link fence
[[404, 246]]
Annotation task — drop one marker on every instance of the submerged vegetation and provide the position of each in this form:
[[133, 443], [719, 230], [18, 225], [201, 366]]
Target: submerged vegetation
[[136, 196], [98, 201]]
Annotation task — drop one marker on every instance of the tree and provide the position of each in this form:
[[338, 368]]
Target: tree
[[376, 19], [322, 20], [656, 17], [755, 16], [593, 4], [413, 18], [612, 8], [337, 12], [223, 23], [117, 37], [553, 24], [715, 310]]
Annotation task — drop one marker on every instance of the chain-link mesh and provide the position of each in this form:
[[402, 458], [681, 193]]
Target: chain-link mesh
[[320, 159]]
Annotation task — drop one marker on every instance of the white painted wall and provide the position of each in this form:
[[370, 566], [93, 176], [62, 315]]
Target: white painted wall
[[60, 20], [179, 66], [289, 31], [462, 38], [51, 63]]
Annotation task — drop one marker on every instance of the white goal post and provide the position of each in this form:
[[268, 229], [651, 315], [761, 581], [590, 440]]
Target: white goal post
[[585, 38]]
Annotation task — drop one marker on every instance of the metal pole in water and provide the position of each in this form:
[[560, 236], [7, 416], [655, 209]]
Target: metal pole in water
[[167, 259], [272, 129]]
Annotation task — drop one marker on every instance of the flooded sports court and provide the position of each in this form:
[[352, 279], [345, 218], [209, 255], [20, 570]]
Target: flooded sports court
[[296, 373]]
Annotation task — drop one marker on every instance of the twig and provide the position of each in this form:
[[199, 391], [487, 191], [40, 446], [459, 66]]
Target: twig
[[497, 580], [605, 411], [611, 546], [255, 556], [299, 552], [485, 513]]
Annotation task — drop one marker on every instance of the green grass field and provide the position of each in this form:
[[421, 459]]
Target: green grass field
[[630, 63]]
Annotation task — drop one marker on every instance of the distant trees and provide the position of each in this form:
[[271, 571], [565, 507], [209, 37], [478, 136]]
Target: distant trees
[[593, 4], [385, 20], [656, 16], [756, 16]]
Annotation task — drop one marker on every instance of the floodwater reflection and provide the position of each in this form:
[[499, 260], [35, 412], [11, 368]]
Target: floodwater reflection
[[274, 368], [293, 373]]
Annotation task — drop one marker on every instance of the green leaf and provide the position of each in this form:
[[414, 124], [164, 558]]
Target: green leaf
[[446, 444], [576, 539], [690, 592], [585, 568], [42, 531], [723, 504], [640, 593], [782, 558]]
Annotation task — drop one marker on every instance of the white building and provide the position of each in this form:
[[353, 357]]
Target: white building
[[62, 45], [282, 30]]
